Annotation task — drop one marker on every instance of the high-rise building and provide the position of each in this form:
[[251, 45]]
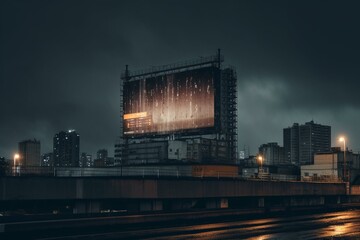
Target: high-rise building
[[86, 160], [272, 154], [314, 138], [29, 151], [66, 149], [291, 144], [47, 159], [301, 142]]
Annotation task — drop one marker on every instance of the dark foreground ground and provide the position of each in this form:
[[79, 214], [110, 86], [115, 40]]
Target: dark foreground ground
[[330, 223]]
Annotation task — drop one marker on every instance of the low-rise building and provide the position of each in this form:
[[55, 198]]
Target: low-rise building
[[329, 166], [199, 150], [86, 160], [102, 159]]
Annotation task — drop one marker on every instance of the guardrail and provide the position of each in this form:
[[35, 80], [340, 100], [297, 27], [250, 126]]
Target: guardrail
[[152, 171], [137, 171]]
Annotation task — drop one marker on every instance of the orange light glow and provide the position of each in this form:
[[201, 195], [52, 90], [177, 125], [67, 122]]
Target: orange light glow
[[135, 115]]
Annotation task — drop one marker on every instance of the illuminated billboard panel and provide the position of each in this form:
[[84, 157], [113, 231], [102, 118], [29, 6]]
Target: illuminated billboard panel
[[176, 102]]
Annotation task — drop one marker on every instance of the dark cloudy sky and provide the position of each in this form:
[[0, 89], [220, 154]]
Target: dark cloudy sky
[[61, 62]]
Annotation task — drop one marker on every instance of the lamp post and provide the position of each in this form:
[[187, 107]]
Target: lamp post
[[342, 139], [16, 156], [260, 158]]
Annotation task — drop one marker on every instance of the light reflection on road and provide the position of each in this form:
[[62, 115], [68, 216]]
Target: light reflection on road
[[344, 224], [339, 225]]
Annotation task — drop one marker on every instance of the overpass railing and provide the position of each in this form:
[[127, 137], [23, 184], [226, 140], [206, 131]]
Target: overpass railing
[[151, 171], [117, 171]]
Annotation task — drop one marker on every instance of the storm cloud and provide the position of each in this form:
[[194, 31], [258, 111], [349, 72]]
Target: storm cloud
[[61, 63]]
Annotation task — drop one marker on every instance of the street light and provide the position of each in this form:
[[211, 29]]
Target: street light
[[342, 139], [260, 158], [16, 156]]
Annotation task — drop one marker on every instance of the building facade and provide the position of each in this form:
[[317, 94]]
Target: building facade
[[147, 152], [291, 144], [329, 166], [272, 154], [47, 160], [29, 151], [301, 142], [195, 150], [66, 149], [102, 159], [86, 160]]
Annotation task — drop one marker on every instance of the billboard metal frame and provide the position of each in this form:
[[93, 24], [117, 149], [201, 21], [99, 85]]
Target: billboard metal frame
[[212, 61], [215, 60]]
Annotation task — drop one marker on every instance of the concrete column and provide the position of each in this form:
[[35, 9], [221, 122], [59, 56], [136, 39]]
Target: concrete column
[[178, 204], [157, 205], [83, 207], [79, 207], [217, 203], [212, 203], [151, 205], [145, 205], [261, 202], [93, 207]]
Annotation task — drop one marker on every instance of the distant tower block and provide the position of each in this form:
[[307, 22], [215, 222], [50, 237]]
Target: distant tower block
[[67, 149], [301, 142]]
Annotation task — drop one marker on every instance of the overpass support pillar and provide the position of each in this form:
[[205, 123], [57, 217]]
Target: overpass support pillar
[[261, 202], [307, 201], [86, 207], [217, 203], [151, 205]]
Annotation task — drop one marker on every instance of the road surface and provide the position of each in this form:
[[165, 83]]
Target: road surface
[[340, 225]]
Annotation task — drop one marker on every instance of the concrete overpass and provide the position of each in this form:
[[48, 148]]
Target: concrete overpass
[[94, 194]]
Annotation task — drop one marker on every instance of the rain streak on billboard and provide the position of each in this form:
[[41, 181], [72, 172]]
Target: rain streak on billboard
[[175, 102]]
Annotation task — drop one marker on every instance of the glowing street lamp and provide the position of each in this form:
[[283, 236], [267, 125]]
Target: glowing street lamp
[[16, 156], [260, 159], [342, 139]]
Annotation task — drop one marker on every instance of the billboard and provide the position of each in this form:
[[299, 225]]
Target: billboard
[[170, 103]]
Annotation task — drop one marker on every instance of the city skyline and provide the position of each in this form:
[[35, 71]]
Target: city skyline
[[295, 62]]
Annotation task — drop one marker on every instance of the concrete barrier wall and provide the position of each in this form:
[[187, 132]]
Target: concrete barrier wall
[[35, 188], [20, 188], [227, 188]]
